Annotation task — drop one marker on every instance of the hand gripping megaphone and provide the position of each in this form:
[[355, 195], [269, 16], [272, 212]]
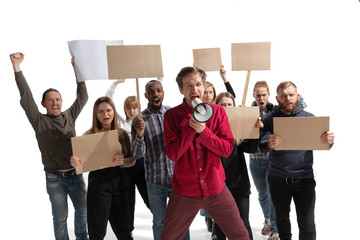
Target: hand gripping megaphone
[[203, 112]]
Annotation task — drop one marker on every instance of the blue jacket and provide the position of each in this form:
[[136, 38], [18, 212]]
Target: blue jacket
[[287, 163]]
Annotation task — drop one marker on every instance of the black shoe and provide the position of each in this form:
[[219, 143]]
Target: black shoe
[[209, 223]]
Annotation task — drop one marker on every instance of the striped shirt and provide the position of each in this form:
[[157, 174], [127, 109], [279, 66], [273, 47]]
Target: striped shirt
[[158, 168]]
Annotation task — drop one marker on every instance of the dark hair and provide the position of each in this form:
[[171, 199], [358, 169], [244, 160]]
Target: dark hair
[[189, 70], [47, 91], [151, 82]]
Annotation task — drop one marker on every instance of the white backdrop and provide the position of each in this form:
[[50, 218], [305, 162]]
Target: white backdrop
[[313, 43]]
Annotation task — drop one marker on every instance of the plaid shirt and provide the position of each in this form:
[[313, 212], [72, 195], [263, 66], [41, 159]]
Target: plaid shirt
[[158, 168]]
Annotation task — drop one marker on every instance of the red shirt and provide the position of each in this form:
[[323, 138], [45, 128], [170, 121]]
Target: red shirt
[[198, 170]]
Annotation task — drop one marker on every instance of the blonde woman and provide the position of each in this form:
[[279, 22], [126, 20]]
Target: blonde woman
[[210, 92]]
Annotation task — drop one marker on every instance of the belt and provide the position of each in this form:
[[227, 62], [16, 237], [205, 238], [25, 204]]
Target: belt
[[65, 174]]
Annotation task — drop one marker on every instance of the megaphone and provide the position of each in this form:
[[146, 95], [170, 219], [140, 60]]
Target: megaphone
[[203, 112]]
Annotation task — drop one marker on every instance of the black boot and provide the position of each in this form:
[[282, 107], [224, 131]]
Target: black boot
[[209, 223]]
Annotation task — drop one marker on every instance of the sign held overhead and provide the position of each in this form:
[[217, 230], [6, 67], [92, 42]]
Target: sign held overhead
[[250, 56], [207, 59], [134, 61]]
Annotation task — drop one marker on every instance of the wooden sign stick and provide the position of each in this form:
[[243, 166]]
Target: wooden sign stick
[[246, 87], [138, 97]]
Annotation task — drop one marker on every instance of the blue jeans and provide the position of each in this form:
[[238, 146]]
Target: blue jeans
[[59, 188], [259, 169], [158, 195], [204, 213]]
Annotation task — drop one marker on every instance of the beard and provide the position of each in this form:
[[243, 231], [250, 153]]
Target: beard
[[288, 109]]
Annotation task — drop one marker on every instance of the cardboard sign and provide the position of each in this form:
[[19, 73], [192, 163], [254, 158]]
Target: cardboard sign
[[134, 61], [301, 133], [242, 122], [250, 56], [207, 59], [96, 151]]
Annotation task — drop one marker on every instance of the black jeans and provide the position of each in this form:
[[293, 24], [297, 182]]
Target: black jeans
[[107, 201], [243, 205], [135, 175], [282, 191]]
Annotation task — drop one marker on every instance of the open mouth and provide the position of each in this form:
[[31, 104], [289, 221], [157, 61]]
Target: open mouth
[[195, 96], [156, 101]]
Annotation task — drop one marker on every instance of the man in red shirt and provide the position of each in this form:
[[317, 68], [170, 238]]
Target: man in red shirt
[[199, 179]]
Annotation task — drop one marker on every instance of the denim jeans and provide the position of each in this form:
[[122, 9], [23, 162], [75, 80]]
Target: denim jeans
[[204, 213], [259, 169], [158, 195], [59, 188]]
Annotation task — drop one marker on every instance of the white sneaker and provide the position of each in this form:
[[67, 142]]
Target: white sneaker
[[274, 236]]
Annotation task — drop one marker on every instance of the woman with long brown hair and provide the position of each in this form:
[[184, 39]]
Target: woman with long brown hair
[[107, 194]]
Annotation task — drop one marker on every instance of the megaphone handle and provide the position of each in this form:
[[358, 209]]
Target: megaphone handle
[[246, 87]]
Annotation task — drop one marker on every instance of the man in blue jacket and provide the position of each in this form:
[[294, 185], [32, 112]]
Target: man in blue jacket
[[291, 174]]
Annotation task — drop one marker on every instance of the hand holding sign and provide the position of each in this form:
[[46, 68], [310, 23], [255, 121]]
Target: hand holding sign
[[96, 151]]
